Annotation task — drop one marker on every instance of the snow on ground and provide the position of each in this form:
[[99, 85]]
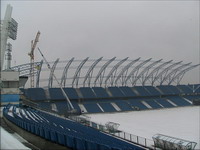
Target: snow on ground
[[9, 141], [182, 122]]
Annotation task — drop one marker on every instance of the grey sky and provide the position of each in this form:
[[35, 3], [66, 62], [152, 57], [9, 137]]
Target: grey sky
[[146, 29]]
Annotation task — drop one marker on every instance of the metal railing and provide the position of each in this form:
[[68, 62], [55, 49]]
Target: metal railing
[[148, 143]]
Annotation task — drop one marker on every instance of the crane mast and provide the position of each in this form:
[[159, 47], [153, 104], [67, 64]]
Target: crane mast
[[31, 54]]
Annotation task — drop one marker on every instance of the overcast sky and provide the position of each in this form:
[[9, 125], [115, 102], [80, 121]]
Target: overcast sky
[[146, 29]]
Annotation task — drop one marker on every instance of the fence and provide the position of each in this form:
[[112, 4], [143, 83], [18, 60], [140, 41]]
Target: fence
[[117, 133]]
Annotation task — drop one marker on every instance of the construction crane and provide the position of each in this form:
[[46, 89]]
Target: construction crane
[[31, 54]]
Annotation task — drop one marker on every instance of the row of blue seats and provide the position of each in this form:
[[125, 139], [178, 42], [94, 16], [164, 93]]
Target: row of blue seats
[[115, 92], [98, 106], [63, 131]]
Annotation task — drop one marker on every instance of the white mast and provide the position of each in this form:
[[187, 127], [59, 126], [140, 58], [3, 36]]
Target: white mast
[[5, 32], [8, 30]]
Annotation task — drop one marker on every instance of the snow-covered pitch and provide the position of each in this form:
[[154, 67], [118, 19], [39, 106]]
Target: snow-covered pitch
[[182, 122]]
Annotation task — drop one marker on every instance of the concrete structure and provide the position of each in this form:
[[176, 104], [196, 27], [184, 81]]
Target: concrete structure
[[9, 87]]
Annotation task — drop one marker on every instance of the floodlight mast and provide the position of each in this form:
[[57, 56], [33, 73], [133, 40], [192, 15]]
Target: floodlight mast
[[65, 95]]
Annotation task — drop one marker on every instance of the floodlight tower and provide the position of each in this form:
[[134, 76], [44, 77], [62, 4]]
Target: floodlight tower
[[9, 79], [8, 30]]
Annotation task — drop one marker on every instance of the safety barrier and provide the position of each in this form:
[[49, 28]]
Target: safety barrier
[[148, 143]]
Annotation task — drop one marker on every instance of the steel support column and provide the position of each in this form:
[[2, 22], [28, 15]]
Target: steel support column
[[65, 71], [111, 75], [155, 70], [164, 72], [77, 73], [174, 72], [124, 72], [136, 69], [89, 73], [51, 73], [101, 72], [38, 74], [145, 70], [180, 75]]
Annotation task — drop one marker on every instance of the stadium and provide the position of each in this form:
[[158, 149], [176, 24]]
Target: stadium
[[101, 104]]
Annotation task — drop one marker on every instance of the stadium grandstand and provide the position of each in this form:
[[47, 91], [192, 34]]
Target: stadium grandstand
[[98, 86]]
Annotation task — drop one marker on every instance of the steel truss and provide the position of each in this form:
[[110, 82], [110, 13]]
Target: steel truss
[[78, 72], [101, 72], [135, 70], [164, 72], [180, 75], [112, 74], [145, 70], [38, 74], [65, 71], [172, 74], [51, 73], [24, 69], [155, 71], [89, 73], [124, 72]]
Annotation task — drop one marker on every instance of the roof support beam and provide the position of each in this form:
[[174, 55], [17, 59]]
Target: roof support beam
[[180, 75], [112, 74], [78, 72], [38, 74], [145, 70], [160, 75], [169, 76], [65, 71], [124, 72], [89, 73], [155, 71], [51, 73], [101, 72], [136, 69]]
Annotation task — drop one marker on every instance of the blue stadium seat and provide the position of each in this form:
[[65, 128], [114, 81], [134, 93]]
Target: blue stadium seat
[[127, 91], [152, 90], [87, 92], [124, 106], [164, 103], [165, 90], [192, 97], [141, 90], [179, 101], [185, 89], [153, 104], [116, 92], [71, 93], [174, 89], [56, 94], [61, 138], [92, 108], [100, 92], [35, 94], [136, 103], [76, 106], [45, 106], [69, 133], [62, 107], [195, 88], [80, 144], [107, 107]]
